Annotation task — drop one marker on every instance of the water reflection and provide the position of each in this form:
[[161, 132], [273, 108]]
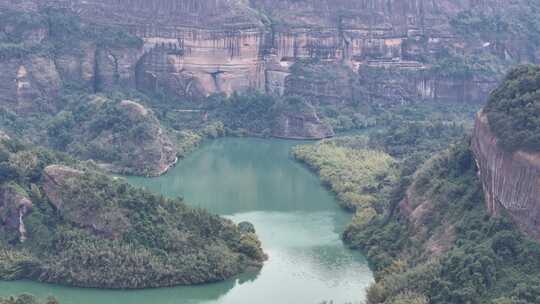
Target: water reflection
[[297, 221]]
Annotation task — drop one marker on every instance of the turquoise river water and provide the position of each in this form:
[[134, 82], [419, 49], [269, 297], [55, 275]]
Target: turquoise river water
[[297, 220]]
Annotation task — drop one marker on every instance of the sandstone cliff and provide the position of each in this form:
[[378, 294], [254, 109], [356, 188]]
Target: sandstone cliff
[[419, 212], [195, 48], [29, 85], [511, 180], [336, 53]]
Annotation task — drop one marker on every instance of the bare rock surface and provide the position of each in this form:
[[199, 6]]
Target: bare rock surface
[[62, 185], [511, 181], [300, 121], [14, 206]]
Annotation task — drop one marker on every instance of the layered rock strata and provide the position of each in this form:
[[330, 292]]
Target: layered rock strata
[[196, 48]]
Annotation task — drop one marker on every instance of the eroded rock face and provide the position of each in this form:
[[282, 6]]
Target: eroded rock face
[[152, 153], [511, 181], [79, 67], [194, 48], [191, 48], [301, 122], [29, 85], [63, 186], [14, 206], [419, 212], [115, 67]]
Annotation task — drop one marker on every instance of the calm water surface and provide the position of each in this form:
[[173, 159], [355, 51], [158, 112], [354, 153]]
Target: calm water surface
[[297, 220]]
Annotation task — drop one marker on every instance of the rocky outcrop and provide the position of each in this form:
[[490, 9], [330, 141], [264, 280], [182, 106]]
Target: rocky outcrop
[[130, 141], [62, 186], [196, 48], [97, 231], [29, 85], [299, 120], [153, 153], [419, 212], [511, 180], [14, 206], [55, 177], [107, 234]]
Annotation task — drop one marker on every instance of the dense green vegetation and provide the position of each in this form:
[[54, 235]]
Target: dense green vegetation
[[498, 29], [27, 299], [452, 64], [513, 110], [21, 34], [518, 20], [457, 254], [448, 251], [248, 113], [87, 229], [361, 168], [358, 176], [106, 129]]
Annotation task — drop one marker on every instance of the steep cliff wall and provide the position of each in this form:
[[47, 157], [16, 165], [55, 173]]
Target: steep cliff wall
[[191, 48], [196, 48], [395, 38], [29, 84], [511, 181]]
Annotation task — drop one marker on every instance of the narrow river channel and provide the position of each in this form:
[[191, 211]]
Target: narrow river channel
[[297, 220]]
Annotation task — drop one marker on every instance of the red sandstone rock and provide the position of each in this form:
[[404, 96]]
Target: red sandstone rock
[[511, 181]]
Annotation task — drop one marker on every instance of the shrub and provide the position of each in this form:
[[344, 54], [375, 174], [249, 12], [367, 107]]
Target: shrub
[[513, 110]]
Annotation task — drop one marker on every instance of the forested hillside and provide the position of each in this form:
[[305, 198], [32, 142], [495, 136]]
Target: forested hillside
[[432, 234], [513, 110], [63, 221], [390, 88]]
